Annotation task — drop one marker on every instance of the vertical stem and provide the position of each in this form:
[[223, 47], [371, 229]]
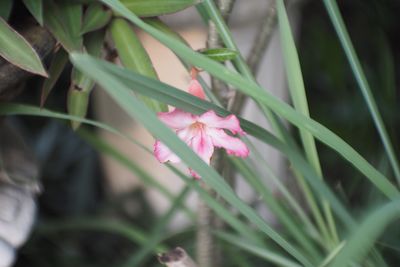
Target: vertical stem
[[208, 254], [260, 45]]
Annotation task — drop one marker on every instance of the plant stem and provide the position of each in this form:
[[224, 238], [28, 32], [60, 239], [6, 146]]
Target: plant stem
[[257, 52], [208, 254]]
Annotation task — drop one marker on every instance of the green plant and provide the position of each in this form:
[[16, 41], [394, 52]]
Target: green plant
[[324, 232]]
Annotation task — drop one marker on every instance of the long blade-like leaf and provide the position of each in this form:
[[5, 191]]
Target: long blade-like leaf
[[363, 239], [362, 81]]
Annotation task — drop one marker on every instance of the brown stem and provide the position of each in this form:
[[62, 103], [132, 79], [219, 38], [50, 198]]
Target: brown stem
[[207, 253], [257, 52]]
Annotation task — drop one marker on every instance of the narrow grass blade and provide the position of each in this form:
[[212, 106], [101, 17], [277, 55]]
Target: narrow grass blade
[[362, 81], [364, 237], [108, 150], [129, 232], [15, 49], [157, 232], [299, 98], [283, 216], [268, 255]]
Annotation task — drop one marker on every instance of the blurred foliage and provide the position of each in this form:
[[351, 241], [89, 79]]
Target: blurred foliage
[[335, 100], [73, 177]]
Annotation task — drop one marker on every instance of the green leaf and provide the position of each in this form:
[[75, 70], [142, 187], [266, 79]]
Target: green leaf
[[57, 65], [299, 99], [219, 54], [158, 231], [6, 8], [15, 49], [160, 25], [130, 232], [122, 95], [364, 237], [36, 9], [96, 17], [107, 149], [64, 20], [133, 55], [77, 105], [362, 81], [266, 254], [82, 85], [153, 8], [263, 96]]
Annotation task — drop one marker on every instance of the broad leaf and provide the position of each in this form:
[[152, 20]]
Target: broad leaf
[[15, 49]]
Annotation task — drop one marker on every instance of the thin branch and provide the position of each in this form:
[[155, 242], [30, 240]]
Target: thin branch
[[207, 253], [257, 52]]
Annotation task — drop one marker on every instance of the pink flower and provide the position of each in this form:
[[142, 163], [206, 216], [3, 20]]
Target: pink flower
[[201, 133]]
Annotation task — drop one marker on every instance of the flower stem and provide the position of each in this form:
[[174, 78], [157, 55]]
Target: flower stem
[[208, 254]]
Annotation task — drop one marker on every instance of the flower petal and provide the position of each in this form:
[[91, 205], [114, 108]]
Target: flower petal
[[164, 154], [176, 119], [233, 145], [196, 89], [230, 122], [202, 144]]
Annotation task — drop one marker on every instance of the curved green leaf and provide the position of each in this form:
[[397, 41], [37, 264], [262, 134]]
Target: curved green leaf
[[362, 81], [260, 252], [133, 55], [64, 19], [15, 49], [153, 8], [96, 17], [36, 9], [81, 85], [220, 54], [364, 237]]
